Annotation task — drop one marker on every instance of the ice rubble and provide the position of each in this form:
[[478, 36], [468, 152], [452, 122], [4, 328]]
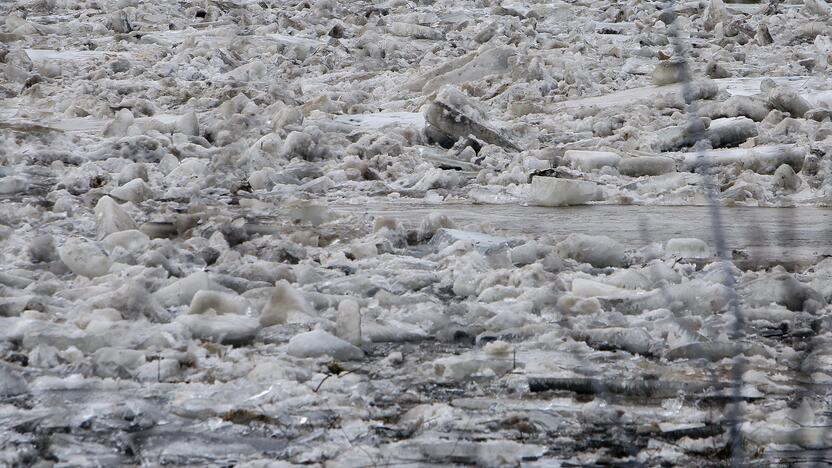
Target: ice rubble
[[551, 191], [182, 284]]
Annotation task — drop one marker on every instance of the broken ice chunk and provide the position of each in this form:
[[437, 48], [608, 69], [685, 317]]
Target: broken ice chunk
[[42, 249], [415, 31], [110, 218], [190, 170], [787, 100], [599, 251], [761, 159], [309, 212], [119, 22], [482, 242], [431, 223], [349, 322], [632, 340], [285, 299], [464, 367], [182, 291], [299, 144], [456, 115], [528, 253], [437, 451], [696, 296], [471, 67], [785, 178], [12, 185], [131, 240], [725, 133], [818, 114], [722, 133], [226, 329], [687, 248], [11, 383], [715, 70], [391, 331], [84, 258], [810, 30], [132, 171], [817, 7], [713, 351], [754, 108], [135, 191], [588, 161], [188, 124], [715, 13], [131, 301], [552, 191], [119, 125], [109, 359], [320, 343], [783, 289], [167, 164], [221, 303], [160, 371], [639, 166], [763, 36], [669, 72], [587, 288]]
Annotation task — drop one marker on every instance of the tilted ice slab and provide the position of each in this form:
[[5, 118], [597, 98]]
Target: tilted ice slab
[[383, 119]]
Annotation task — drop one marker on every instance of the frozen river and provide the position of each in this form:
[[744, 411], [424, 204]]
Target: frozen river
[[198, 265]]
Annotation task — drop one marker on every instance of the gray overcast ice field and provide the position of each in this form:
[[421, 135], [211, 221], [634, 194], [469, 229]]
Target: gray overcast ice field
[[371, 233]]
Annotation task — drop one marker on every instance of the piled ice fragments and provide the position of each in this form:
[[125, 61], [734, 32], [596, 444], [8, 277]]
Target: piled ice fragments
[[187, 276]]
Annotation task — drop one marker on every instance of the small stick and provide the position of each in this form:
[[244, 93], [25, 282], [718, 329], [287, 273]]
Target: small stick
[[338, 375]]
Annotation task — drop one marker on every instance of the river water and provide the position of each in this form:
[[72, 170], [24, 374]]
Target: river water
[[767, 234]]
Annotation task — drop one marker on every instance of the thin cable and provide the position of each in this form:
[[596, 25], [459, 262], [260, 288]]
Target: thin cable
[[735, 415]]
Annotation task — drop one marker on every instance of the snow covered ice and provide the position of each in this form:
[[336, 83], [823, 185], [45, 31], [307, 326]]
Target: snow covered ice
[[370, 233]]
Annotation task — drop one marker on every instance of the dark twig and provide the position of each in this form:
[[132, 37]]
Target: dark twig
[[338, 375]]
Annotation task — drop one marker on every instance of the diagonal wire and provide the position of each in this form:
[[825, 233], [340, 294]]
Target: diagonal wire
[[820, 458], [735, 416]]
